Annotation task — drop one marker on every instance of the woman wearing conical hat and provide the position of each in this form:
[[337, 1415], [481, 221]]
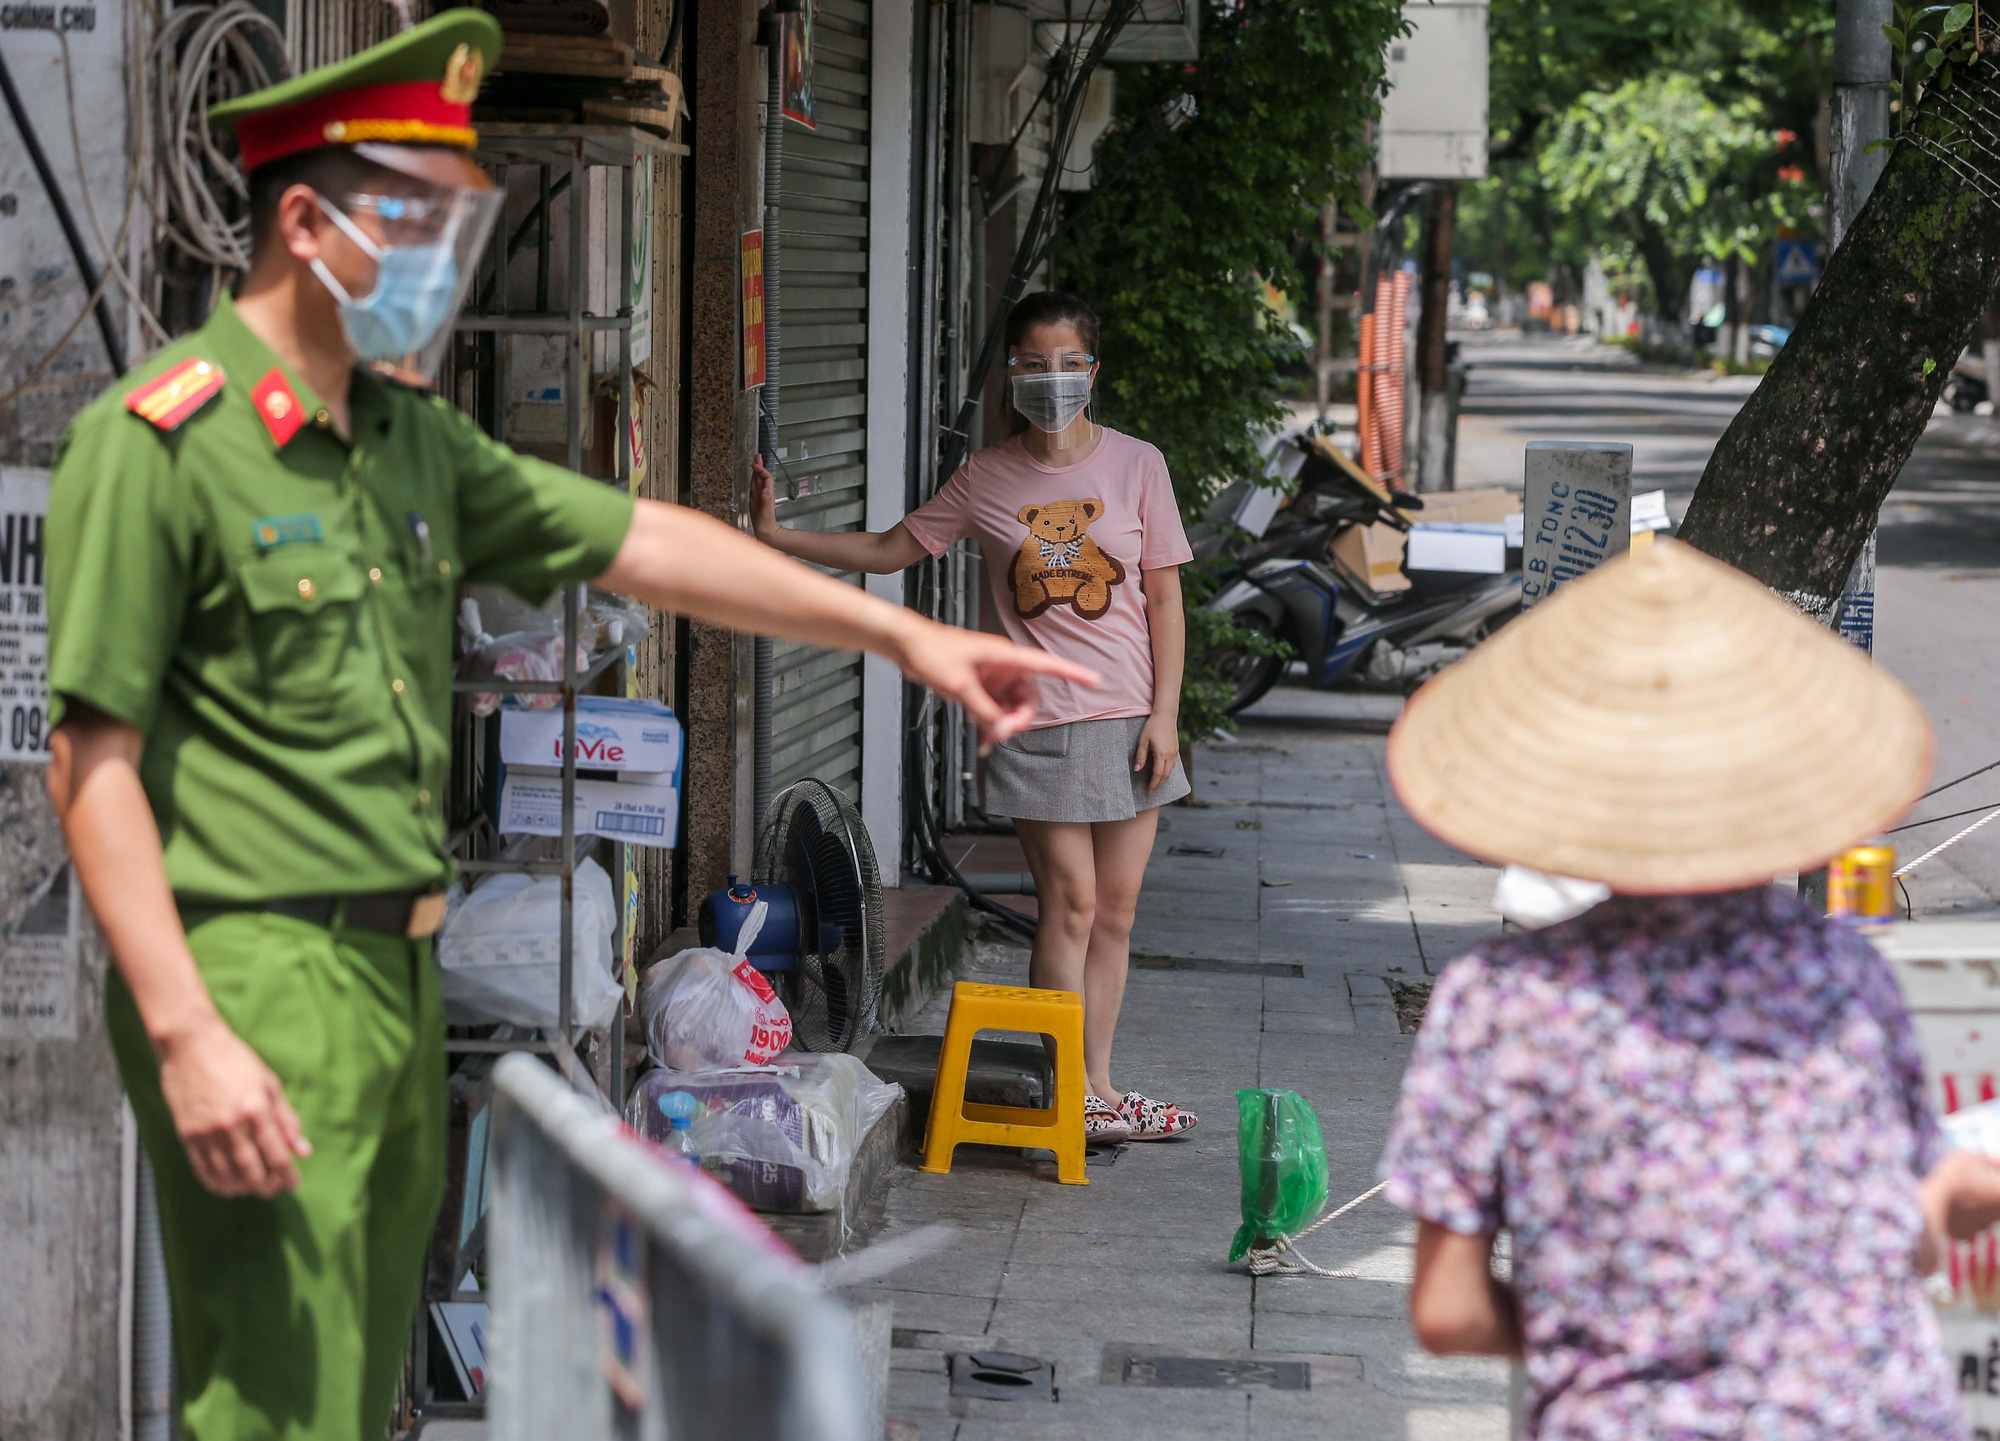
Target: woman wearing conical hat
[[1699, 1107]]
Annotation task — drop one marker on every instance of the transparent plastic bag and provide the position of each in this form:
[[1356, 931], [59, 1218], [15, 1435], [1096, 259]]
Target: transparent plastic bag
[[783, 1136], [704, 1008], [499, 956], [1281, 1155]]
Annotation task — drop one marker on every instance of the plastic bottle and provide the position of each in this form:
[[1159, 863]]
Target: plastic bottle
[[680, 1109]]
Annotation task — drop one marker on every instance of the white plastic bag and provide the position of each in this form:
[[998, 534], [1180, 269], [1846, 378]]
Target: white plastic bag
[[1533, 899], [706, 1008], [783, 1136], [499, 953]]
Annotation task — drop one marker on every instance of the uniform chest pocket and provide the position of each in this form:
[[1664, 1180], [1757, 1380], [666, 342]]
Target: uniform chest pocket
[[305, 625]]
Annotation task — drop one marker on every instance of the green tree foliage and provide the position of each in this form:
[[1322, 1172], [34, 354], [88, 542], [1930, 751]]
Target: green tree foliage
[[1657, 134], [1174, 255], [1660, 168]]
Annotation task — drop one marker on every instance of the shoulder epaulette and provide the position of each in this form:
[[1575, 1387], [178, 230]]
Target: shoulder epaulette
[[170, 397]]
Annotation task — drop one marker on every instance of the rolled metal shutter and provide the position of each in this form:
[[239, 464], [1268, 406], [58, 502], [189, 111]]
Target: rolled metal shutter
[[823, 213]]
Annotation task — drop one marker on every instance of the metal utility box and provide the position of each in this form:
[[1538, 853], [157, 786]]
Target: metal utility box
[[1950, 975], [1434, 116]]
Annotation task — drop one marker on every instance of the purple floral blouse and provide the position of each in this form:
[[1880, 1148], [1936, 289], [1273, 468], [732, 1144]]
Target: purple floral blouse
[[1702, 1118]]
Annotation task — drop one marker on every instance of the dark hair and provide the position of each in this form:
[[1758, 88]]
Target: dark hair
[[1052, 307], [330, 170]]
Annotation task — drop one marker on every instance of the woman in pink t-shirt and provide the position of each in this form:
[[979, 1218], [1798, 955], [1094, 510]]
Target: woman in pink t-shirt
[[1082, 543]]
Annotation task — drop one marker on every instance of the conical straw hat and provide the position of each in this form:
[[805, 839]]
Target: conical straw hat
[[1662, 725]]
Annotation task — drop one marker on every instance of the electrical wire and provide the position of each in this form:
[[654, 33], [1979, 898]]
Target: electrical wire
[[1933, 820], [87, 272], [114, 262], [1990, 765], [202, 55]]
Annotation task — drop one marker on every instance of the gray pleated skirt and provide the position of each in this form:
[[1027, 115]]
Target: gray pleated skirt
[[1081, 771]]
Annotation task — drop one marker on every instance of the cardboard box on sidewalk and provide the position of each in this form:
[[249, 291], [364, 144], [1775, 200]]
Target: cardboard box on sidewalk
[[1487, 503], [1371, 556]]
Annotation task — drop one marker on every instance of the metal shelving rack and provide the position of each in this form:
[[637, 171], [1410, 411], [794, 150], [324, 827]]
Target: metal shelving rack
[[561, 158]]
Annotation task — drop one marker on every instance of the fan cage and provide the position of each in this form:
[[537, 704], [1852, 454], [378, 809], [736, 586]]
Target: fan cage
[[816, 841]]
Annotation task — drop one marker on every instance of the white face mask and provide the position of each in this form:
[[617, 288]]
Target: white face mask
[[1050, 402]]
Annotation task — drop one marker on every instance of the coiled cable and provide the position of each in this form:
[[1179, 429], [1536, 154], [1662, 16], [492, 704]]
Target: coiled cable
[[201, 56]]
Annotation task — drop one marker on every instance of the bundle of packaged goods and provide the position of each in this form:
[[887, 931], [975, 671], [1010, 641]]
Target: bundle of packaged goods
[[779, 1128], [781, 1136], [632, 752]]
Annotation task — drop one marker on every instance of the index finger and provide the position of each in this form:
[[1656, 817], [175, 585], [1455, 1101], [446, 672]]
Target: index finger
[[1021, 658]]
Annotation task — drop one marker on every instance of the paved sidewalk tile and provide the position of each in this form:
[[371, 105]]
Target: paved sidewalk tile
[[1317, 900]]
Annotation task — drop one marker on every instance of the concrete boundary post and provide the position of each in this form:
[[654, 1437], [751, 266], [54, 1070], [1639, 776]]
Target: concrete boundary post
[[1576, 511]]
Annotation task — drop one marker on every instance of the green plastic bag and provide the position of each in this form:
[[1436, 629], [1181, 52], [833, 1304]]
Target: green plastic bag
[[1282, 1156]]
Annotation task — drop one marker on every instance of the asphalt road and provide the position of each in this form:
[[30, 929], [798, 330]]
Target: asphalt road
[[1937, 610]]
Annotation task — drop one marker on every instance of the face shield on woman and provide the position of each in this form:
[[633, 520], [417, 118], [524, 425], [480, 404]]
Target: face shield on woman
[[1050, 391], [424, 239]]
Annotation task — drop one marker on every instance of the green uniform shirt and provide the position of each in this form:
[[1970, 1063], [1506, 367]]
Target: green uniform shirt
[[273, 607]]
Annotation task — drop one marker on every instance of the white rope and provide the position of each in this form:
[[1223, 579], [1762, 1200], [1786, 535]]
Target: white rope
[[1271, 1260], [1991, 815]]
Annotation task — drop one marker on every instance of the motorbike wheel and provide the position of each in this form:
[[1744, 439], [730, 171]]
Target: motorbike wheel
[[1249, 675]]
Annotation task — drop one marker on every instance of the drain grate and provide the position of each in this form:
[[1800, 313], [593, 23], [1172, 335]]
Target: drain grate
[[1280, 969], [1002, 1376], [1189, 848], [1230, 1371]]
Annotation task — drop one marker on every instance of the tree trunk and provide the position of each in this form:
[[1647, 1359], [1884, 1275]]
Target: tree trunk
[[1670, 284], [1793, 488]]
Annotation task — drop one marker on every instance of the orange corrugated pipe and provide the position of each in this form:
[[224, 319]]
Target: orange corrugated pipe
[[1391, 343], [1364, 393]]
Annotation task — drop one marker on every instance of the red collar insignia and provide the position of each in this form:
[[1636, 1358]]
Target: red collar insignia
[[277, 406]]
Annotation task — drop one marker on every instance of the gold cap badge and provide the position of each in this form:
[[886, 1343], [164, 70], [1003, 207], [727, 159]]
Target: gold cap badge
[[462, 74]]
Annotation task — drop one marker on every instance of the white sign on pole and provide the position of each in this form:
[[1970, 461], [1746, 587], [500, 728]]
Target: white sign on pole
[[1434, 116], [24, 616], [1576, 512], [641, 298]]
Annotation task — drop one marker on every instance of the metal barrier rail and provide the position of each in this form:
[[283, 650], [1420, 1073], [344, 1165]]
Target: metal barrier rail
[[628, 1304]]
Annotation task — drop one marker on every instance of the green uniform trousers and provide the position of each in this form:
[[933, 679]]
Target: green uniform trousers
[[292, 1315]]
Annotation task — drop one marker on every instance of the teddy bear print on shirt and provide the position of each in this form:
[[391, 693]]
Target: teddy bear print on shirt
[[1059, 564]]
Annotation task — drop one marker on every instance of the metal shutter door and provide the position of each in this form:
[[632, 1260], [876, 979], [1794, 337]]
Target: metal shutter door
[[823, 212]]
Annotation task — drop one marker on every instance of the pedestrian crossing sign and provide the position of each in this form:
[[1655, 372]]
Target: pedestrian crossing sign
[[1797, 262]]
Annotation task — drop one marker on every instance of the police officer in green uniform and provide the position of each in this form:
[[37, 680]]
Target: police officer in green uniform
[[254, 545]]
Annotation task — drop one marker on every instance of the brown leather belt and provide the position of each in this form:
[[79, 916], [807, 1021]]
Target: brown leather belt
[[411, 914]]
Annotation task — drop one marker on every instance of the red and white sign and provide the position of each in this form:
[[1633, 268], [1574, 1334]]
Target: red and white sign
[[753, 309]]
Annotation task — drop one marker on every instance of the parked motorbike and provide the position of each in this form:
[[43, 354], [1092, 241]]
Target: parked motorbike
[[1289, 585]]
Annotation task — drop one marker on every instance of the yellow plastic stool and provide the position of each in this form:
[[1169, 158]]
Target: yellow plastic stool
[[975, 1008]]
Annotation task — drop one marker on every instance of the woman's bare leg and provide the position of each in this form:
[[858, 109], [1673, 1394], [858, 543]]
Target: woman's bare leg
[[1060, 856], [1120, 851]]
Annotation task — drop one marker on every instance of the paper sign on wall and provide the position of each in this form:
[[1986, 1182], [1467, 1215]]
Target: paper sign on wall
[[24, 619]]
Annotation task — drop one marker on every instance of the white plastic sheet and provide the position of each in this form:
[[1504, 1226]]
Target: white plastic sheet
[[499, 957]]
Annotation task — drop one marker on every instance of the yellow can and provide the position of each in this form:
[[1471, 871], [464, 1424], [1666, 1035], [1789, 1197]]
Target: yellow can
[[1861, 885]]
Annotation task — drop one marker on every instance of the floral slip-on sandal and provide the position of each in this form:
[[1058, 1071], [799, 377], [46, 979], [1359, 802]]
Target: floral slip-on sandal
[[1151, 1120], [1103, 1122]]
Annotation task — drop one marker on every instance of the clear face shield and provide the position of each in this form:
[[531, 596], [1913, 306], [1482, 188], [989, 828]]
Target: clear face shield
[[424, 240], [1050, 391]]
